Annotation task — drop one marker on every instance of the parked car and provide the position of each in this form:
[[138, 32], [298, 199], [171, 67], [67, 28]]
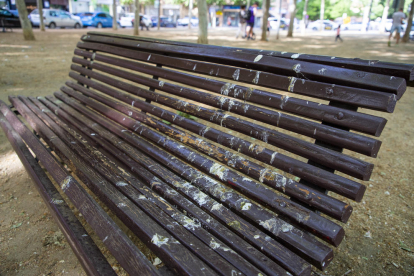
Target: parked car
[[145, 20], [165, 21], [184, 21], [328, 25], [55, 18], [8, 19], [97, 19], [355, 26], [274, 23]]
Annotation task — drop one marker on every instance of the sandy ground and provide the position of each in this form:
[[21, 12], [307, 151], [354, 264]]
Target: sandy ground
[[378, 236]]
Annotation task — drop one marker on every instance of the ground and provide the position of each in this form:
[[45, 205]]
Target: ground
[[378, 237]]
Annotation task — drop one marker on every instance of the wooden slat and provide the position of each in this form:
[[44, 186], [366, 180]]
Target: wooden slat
[[170, 251], [120, 149], [85, 249], [124, 251], [355, 96], [302, 69], [325, 203], [340, 185], [405, 71], [134, 190]]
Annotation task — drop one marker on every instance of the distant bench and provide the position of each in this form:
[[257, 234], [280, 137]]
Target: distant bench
[[180, 142]]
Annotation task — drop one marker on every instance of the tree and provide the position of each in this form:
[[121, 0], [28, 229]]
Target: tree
[[136, 20], [266, 6], [292, 18], [40, 8], [322, 15], [24, 20], [406, 36], [190, 9], [384, 16], [114, 17], [202, 22]]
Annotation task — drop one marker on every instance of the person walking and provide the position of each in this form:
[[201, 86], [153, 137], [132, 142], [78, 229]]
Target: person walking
[[397, 21], [251, 14], [242, 22], [338, 34]]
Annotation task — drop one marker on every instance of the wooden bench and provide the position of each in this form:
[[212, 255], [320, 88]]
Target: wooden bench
[[205, 153]]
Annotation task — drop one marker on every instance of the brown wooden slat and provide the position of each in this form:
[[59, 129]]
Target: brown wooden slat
[[307, 70], [344, 163], [120, 149], [124, 251], [321, 201], [323, 132], [296, 240], [405, 71], [85, 249], [133, 189], [312, 174], [355, 96], [172, 253], [323, 228]]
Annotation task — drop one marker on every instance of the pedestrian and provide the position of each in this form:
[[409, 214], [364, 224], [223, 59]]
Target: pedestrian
[[251, 14], [142, 24], [397, 21], [338, 34], [242, 22]]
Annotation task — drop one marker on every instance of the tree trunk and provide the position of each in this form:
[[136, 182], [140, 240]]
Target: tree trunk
[[305, 12], [202, 22], [114, 17], [385, 15], [190, 9], [280, 17], [321, 26], [406, 36], [159, 14], [136, 20], [401, 4], [266, 7], [24, 20], [292, 9], [369, 14], [40, 8]]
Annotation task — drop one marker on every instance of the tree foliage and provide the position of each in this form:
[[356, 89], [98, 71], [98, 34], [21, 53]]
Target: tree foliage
[[336, 8]]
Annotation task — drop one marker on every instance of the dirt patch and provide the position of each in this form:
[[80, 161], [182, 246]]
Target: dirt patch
[[379, 234]]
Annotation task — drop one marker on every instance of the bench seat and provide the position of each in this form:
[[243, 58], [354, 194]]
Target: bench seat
[[218, 159]]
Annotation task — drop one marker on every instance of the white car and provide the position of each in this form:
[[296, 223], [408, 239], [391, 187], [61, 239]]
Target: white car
[[355, 26], [328, 25], [128, 18], [274, 23], [184, 21], [55, 18]]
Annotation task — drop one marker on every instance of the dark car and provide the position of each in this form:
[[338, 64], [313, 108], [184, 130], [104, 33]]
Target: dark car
[[8, 19], [166, 22]]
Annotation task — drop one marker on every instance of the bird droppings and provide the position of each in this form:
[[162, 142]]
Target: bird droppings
[[286, 228], [219, 171], [149, 57], [256, 78], [295, 56], [285, 98], [245, 206], [65, 184], [121, 184], [236, 74], [121, 205], [256, 236], [322, 71], [191, 224], [234, 224], [283, 53], [56, 201], [214, 244], [161, 83], [292, 83], [159, 240], [216, 206], [296, 68], [259, 57], [273, 157], [225, 89]]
